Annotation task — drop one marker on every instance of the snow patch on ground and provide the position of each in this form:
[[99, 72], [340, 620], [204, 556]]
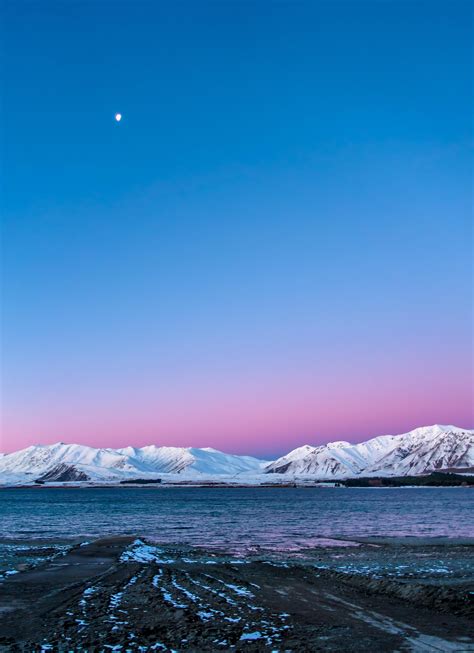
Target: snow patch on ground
[[248, 636], [138, 551]]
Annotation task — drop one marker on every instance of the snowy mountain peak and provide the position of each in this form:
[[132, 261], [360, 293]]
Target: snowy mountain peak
[[63, 462], [423, 450]]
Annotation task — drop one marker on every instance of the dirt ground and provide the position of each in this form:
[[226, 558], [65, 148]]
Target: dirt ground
[[120, 594]]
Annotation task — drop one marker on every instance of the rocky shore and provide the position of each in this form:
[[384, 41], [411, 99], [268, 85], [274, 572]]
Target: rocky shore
[[124, 594]]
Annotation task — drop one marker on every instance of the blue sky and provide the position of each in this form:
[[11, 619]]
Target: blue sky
[[273, 246]]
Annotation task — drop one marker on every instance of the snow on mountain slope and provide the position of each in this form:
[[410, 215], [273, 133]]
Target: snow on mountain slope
[[211, 461], [420, 451], [333, 460], [426, 450], [174, 460], [69, 462], [171, 460]]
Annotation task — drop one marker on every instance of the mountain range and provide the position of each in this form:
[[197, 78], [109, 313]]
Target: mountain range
[[418, 452]]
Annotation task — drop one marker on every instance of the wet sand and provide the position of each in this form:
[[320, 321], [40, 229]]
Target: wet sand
[[123, 595]]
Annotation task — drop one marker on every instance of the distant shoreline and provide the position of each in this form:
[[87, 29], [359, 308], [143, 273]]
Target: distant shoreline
[[228, 486], [435, 479]]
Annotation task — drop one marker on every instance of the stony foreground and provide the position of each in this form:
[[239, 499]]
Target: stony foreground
[[121, 594]]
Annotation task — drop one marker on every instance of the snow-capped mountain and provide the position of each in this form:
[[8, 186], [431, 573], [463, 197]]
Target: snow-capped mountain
[[332, 460], [424, 450], [75, 462]]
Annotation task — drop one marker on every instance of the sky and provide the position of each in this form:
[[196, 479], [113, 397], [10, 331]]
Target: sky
[[272, 248]]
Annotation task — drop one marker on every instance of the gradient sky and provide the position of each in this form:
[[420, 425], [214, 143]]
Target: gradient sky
[[272, 248]]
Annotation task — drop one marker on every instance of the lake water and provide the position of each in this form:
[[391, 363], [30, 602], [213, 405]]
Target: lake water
[[236, 519]]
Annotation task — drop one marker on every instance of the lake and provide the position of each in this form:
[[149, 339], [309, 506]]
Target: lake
[[237, 519]]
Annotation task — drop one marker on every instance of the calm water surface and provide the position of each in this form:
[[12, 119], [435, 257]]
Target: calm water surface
[[238, 518]]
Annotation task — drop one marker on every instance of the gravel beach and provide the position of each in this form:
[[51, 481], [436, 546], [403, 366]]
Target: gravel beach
[[126, 594]]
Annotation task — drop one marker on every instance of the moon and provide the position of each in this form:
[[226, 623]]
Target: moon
[[118, 117]]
